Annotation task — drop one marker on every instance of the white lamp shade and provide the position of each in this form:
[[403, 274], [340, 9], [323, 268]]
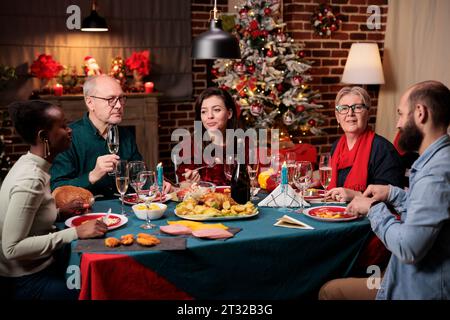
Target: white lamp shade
[[363, 65]]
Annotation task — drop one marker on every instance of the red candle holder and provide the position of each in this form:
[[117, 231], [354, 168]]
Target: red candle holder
[[149, 87], [58, 90]]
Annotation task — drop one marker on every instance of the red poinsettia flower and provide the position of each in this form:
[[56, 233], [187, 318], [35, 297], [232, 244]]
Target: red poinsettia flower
[[44, 67], [139, 61]]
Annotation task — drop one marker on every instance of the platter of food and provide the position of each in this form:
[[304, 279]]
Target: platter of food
[[214, 206]]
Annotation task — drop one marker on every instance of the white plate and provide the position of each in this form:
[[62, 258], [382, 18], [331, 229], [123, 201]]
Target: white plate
[[310, 212], [200, 217], [78, 220]]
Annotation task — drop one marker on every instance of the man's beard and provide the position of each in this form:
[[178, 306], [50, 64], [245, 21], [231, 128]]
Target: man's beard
[[410, 137]]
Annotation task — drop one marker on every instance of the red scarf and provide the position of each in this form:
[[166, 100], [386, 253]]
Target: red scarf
[[357, 158]]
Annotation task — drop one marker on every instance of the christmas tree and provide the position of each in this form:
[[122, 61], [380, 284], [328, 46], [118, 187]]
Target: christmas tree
[[270, 81]]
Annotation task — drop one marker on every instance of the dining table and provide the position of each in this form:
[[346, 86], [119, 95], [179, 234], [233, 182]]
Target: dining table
[[261, 260]]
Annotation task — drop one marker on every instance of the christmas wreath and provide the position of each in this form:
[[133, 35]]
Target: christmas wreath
[[324, 21]]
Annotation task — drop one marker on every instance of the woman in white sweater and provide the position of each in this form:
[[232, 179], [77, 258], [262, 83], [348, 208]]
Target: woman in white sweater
[[29, 240]]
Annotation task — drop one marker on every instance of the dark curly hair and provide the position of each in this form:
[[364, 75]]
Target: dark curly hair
[[29, 117]]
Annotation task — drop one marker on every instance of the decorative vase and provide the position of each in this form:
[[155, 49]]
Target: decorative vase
[[138, 84]]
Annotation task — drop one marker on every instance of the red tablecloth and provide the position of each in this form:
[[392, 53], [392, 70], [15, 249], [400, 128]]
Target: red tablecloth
[[118, 276]]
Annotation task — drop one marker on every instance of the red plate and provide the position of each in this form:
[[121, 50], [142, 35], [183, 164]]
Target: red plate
[[330, 213], [78, 220]]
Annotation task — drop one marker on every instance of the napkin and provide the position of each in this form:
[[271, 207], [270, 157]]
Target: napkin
[[289, 222], [277, 198], [194, 225]]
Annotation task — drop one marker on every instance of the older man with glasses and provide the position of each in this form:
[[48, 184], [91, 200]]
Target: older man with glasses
[[87, 163]]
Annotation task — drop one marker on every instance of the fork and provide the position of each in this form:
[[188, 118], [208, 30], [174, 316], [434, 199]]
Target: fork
[[202, 167], [106, 217]]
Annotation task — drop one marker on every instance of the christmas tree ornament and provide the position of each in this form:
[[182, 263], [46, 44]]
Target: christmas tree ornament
[[288, 118], [312, 122], [269, 53], [240, 68], [256, 109], [296, 81], [251, 68], [300, 108], [267, 11], [281, 37]]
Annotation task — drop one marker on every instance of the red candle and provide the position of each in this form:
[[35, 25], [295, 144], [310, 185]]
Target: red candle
[[58, 89], [149, 87]]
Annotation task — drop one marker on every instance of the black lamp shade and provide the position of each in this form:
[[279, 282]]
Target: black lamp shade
[[94, 22], [216, 44]]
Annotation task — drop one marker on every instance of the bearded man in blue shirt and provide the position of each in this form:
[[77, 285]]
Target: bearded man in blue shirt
[[419, 268]]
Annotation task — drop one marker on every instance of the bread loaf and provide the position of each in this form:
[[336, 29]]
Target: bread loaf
[[66, 194]]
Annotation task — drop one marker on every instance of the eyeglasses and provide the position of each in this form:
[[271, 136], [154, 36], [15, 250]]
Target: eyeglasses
[[113, 100], [357, 108]]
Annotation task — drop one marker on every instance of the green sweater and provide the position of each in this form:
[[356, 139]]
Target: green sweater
[[72, 166]]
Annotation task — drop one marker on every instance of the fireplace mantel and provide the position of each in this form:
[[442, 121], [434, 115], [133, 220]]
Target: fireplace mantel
[[141, 112]]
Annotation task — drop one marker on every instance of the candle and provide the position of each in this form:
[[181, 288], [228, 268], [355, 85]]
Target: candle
[[159, 174], [149, 87], [58, 89], [284, 174]]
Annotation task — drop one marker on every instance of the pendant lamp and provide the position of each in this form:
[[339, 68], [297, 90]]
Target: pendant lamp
[[94, 22], [215, 43]]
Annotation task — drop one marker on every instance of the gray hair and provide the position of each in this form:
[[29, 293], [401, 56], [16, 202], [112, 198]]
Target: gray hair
[[91, 83], [357, 91]]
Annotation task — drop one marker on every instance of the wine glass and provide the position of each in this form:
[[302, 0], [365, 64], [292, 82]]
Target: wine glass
[[303, 178], [253, 169], [135, 168], [147, 186], [112, 140], [291, 159], [228, 167], [122, 178], [325, 169]]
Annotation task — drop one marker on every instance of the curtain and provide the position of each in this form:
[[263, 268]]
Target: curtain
[[161, 26], [416, 48]]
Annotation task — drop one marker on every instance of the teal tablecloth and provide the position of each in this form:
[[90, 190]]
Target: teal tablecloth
[[261, 262]]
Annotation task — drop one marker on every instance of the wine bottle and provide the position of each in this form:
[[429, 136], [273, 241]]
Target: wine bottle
[[240, 184]]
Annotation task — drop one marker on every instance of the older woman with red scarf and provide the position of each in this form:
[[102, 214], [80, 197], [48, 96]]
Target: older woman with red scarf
[[359, 158]]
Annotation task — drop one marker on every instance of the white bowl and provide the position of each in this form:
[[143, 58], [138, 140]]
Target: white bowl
[[152, 214]]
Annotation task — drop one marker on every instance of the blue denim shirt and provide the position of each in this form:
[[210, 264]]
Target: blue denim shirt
[[420, 242]]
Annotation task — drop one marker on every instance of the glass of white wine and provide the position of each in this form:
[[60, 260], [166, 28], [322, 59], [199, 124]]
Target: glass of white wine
[[122, 179], [325, 169], [112, 140]]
